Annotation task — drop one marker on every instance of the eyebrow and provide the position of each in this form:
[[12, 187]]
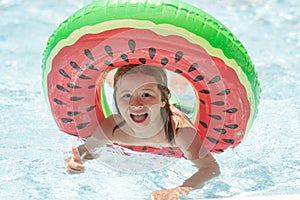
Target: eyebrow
[[124, 91], [148, 88]]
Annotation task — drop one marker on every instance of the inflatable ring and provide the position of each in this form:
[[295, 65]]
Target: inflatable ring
[[170, 34]]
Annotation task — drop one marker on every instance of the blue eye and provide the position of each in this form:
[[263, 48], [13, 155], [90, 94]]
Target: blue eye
[[126, 96]]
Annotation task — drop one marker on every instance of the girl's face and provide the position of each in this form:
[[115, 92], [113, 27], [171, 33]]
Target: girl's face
[[139, 102]]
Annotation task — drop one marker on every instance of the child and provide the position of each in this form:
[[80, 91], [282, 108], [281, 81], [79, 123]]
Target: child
[[145, 118]]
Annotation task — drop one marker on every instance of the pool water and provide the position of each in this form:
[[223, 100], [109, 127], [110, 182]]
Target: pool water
[[32, 149]]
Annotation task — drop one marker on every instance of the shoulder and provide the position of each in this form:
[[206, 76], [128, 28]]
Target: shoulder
[[102, 133], [187, 138], [106, 126], [111, 120]]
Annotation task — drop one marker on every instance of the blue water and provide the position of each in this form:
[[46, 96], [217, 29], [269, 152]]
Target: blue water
[[32, 149]]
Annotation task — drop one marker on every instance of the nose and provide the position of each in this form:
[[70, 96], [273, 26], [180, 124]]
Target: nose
[[135, 103]]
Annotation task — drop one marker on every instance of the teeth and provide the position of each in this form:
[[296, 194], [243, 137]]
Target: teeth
[[139, 117], [139, 114]]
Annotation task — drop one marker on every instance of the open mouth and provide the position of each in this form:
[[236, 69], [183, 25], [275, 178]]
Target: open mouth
[[139, 118]]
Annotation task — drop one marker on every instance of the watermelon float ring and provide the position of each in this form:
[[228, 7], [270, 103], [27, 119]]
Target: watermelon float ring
[[169, 34]]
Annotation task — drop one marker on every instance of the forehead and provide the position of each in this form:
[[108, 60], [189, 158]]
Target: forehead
[[135, 81]]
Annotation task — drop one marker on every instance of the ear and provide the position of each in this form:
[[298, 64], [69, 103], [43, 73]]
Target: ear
[[163, 103]]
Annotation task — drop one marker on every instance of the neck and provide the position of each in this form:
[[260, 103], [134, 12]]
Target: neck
[[146, 132]]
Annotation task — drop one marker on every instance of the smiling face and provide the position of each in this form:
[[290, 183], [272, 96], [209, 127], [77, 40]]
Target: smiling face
[[139, 102]]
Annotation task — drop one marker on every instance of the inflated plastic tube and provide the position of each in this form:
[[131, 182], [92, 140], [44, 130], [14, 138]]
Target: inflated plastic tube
[[169, 34]]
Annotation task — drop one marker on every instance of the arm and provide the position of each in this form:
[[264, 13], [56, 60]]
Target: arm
[[85, 151], [195, 151], [208, 168]]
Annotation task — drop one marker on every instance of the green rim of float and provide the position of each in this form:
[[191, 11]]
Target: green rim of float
[[165, 19]]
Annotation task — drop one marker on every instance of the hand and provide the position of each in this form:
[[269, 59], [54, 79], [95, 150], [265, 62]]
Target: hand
[[75, 163], [172, 194]]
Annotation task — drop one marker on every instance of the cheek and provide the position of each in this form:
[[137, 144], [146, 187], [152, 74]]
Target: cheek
[[122, 105], [158, 102], [155, 109]]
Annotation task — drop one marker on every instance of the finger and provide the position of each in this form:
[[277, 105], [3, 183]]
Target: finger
[[155, 196], [75, 166], [77, 157], [72, 171], [152, 197]]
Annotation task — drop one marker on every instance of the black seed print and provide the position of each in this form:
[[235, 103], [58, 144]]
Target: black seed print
[[219, 150], [88, 109], [164, 61], [59, 102], [204, 91], [91, 86], [152, 52], [75, 65], [81, 126], [76, 98], [144, 148], [229, 141], [202, 101], [218, 103], [71, 114], [217, 117], [92, 67], [172, 152], [131, 44], [231, 110], [89, 54], [130, 147], [220, 130], [178, 56], [61, 88], [214, 79], [142, 60], [84, 77], [198, 78], [66, 120], [232, 126], [203, 124], [193, 67], [108, 63], [178, 71], [109, 51], [71, 85], [212, 140], [225, 92], [124, 57], [62, 72]]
